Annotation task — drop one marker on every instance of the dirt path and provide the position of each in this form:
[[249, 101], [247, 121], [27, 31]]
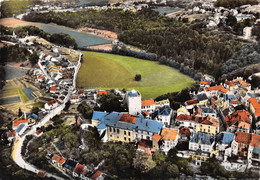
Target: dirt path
[[11, 21]]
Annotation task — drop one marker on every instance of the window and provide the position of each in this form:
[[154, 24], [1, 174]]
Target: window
[[142, 136], [110, 129], [124, 132], [117, 137], [125, 139], [129, 134], [129, 139], [208, 130], [147, 137], [117, 131]]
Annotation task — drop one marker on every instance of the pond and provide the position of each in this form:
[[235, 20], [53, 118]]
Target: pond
[[11, 73], [82, 39], [10, 100], [28, 92], [166, 10]]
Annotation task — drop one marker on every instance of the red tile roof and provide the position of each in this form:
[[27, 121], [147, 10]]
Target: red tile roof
[[198, 119], [79, 168], [217, 88], [19, 121], [40, 77], [128, 118], [81, 91], [52, 102], [205, 82], [233, 102], [145, 143], [53, 88], [255, 140], [193, 101], [38, 131], [41, 174], [96, 174], [58, 159], [241, 82], [146, 113], [256, 105], [247, 138], [169, 134], [230, 83], [11, 133], [148, 102], [242, 137], [157, 137], [238, 116], [184, 131], [102, 93]]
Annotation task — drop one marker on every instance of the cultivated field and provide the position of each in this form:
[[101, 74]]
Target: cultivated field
[[107, 71]]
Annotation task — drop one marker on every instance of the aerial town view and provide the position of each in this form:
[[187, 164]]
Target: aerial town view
[[130, 89]]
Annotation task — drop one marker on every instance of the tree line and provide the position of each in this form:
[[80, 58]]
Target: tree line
[[234, 3], [187, 43]]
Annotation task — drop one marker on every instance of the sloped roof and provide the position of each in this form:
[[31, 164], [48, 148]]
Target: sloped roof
[[102, 93], [198, 119], [241, 82], [128, 118], [225, 138], [217, 88], [157, 137], [184, 131], [192, 101], [202, 138], [41, 174], [113, 120], [164, 111], [19, 121], [242, 137], [230, 83], [148, 102], [81, 91], [255, 140], [205, 82], [53, 88], [11, 133], [96, 174], [40, 77], [38, 131], [52, 102], [256, 105], [238, 116], [169, 134], [79, 168]]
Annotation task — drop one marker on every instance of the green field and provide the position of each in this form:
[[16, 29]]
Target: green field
[[108, 71]]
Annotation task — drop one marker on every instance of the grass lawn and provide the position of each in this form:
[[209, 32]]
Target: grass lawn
[[108, 71], [16, 91]]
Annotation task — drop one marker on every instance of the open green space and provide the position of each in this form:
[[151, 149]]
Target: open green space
[[108, 71]]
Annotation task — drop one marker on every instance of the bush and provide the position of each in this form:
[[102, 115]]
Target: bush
[[138, 77]]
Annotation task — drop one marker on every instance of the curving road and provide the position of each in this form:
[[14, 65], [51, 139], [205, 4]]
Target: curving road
[[17, 147]]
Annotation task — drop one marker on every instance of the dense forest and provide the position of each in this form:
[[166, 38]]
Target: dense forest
[[234, 3], [190, 43], [247, 55]]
